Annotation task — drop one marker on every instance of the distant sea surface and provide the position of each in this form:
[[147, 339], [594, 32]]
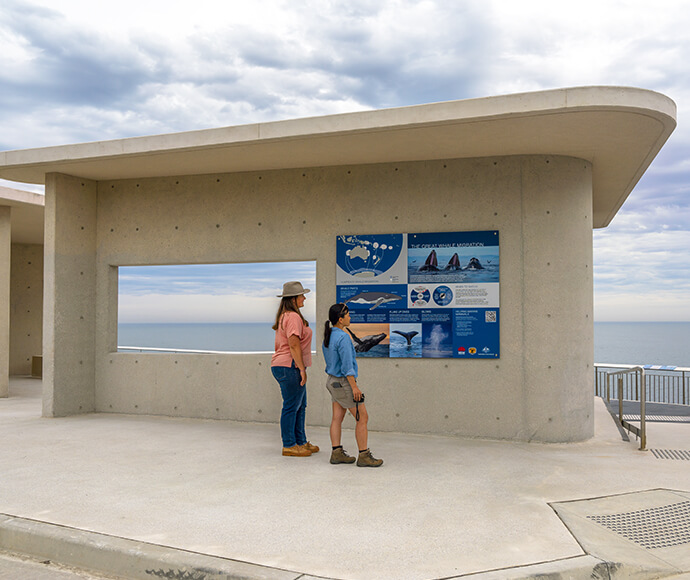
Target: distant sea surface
[[233, 337], [642, 343], [654, 343]]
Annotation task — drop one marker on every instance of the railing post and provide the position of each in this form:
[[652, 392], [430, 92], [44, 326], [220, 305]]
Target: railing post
[[608, 390], [643, 423]]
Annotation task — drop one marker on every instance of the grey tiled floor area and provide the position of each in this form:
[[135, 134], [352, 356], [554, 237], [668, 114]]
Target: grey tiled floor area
[[438, 508]]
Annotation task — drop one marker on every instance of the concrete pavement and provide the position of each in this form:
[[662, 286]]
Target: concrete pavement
[[14, 567], [147, 497]]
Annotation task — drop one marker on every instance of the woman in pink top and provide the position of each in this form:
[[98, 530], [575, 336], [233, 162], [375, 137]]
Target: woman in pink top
[[289, 367]]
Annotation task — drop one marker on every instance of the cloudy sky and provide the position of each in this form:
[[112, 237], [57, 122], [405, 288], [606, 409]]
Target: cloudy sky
[[74, 71], [210, 293]]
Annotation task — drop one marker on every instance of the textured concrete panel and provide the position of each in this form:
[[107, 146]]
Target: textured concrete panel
[[541, 206], [26, 307], [5, 253]]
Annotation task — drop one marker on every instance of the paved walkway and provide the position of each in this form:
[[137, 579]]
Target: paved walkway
[[13, 567], [438, 508]]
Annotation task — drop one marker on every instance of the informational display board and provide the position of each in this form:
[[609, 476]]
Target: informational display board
[[425, 295]]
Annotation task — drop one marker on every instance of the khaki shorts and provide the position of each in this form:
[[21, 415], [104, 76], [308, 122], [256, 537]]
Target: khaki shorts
[[341, 391]]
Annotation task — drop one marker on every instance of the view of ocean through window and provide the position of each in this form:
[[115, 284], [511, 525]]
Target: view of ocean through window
[[211, 307]]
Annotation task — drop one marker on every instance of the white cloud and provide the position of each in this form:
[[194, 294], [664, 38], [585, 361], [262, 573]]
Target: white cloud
[[662, 305], [203, 308], [75, 71]]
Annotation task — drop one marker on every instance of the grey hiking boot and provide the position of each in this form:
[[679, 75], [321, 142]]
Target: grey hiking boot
[[340, 456], [366, 459]]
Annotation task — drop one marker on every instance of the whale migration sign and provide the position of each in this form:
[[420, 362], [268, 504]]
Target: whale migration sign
[[421, 295]]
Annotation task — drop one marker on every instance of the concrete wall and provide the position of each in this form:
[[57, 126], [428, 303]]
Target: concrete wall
[[26, 307], [5, 253], [69, 296], [540, 389]]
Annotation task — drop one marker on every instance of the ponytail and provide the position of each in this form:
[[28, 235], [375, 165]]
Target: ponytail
[[335, 313], [327, 334]]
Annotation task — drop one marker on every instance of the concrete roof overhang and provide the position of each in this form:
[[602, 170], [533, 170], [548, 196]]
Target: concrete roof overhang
[[26, 215], [619, 129]]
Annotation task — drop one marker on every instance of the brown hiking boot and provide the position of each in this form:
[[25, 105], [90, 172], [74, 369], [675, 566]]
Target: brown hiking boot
[[312, 448], [366, 459], [340, 456], [296, 451]]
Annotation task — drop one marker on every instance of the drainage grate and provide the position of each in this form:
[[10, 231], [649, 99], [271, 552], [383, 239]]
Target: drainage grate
[[660, 527], [671, 454]]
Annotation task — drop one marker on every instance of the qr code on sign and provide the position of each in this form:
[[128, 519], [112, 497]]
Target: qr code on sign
[[490, 316]]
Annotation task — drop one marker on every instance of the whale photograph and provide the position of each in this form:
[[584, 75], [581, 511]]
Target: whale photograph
[[472, 265], [406, 340], [438, 340], [370, 340]]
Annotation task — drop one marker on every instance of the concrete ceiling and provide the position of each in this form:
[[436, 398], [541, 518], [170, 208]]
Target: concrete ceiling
[[26, 215], [619, 130]]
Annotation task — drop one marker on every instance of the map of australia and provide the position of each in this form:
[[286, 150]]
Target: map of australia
[[375, 259]]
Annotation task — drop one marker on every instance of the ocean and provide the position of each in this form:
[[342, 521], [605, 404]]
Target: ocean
[[231, 337], [642, 343], [653, 343]]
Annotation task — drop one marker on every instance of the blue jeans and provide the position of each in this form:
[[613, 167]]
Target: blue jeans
[[294, 414]]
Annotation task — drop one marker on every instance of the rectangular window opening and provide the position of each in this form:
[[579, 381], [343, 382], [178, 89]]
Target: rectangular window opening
[[206, 308]]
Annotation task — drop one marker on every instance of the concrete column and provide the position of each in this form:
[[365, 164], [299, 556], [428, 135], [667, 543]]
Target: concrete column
[[5, 256], [558, 330], [69, 296]]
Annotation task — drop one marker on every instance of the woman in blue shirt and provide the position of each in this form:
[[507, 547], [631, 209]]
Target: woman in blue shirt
[[341, 367]]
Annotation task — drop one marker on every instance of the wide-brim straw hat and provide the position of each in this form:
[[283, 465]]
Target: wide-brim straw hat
[[293, 289]]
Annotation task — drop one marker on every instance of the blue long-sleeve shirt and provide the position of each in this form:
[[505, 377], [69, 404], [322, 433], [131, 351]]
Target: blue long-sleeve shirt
[[341, 360]]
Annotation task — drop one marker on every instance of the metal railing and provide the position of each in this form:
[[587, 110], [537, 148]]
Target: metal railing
[[184, 350], [639, 374], [662, 384], [149, 349]]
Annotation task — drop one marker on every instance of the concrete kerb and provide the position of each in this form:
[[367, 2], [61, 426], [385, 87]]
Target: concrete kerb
[[578, 568], [104, 554], [129, 559]]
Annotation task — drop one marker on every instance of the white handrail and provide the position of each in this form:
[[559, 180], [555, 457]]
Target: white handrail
[[645, 367], [189, 351]]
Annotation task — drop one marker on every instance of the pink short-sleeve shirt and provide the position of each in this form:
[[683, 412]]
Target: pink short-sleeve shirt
[[291, 324]]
